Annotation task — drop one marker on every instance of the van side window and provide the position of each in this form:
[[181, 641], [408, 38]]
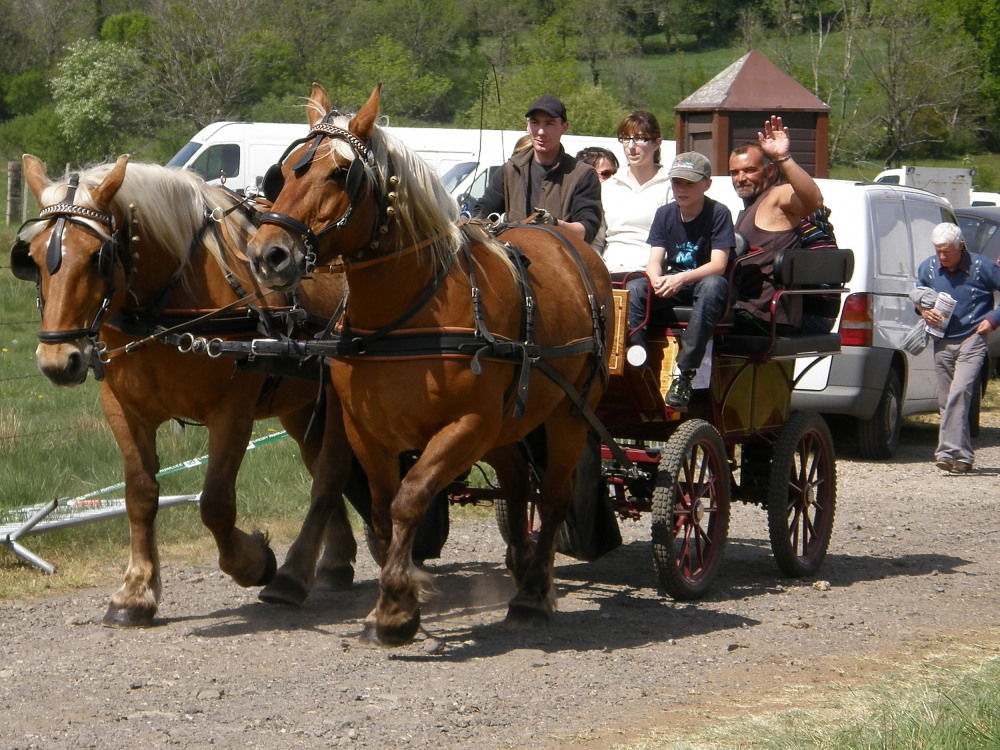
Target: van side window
[[222, 158], [922, 218], [891, 240]]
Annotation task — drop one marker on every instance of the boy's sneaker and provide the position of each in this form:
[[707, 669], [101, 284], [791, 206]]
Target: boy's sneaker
[[679, 393]]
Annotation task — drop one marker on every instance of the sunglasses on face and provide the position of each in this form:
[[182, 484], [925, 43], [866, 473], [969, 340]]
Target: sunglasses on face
[[606, 173]]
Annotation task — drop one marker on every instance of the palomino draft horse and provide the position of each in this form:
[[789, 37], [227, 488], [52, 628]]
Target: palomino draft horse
[[453, 345], [121, 249]]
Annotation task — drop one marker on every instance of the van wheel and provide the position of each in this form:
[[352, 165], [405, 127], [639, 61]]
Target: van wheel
[[878, 437]]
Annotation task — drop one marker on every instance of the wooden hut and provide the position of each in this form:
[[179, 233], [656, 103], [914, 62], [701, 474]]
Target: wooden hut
[[732, 107]]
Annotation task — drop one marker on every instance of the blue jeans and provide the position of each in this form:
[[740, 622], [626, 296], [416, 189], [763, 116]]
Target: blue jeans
[[708, 298]]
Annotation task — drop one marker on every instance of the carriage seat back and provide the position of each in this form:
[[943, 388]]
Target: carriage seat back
[[800, 272]]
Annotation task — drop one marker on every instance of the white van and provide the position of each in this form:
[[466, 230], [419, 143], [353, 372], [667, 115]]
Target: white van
[[873, 380], [239, 153]]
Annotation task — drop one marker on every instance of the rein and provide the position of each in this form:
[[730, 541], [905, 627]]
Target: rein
[[164, 335]]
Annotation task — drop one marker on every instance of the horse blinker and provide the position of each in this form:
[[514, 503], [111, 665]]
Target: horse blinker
[[21, 264]]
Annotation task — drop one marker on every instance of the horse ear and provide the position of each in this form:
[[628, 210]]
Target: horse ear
[[363, 122], [34, 175], [319, 105], [110, 185]]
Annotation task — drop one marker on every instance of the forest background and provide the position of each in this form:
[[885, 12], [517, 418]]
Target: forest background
[[85, 80]]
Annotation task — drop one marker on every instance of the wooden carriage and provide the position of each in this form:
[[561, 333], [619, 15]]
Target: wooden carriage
[[738, 437]]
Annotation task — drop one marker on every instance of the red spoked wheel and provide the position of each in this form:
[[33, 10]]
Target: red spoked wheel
[[690, 510], [802, 494]]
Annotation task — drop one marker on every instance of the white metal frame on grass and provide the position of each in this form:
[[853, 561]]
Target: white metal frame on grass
[[16, 523]]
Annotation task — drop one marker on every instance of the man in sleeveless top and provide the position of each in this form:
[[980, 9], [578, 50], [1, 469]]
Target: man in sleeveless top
[[777, 193]]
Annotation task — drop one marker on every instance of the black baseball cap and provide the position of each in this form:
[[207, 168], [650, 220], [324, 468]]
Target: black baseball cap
[[548, 104]]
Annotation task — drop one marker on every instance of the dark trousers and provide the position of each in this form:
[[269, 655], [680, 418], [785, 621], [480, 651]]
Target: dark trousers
[[707, 297]]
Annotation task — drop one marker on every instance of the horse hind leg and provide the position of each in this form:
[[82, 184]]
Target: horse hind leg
[[511, 464], [534, 604]]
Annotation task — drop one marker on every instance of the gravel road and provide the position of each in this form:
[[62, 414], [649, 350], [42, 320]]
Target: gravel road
[[913, 565]]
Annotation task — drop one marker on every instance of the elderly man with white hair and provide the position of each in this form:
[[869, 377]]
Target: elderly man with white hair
[[967, 281]]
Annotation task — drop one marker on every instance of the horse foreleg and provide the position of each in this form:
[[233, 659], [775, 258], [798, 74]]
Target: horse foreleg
[[247, 558], [329, 458], [135, 603], [401, 584]]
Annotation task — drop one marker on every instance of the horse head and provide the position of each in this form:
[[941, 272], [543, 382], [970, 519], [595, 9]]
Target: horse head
[[72, 251], [327, 195]]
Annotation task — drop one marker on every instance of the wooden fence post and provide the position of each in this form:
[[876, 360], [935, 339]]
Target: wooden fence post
[[14, 190]]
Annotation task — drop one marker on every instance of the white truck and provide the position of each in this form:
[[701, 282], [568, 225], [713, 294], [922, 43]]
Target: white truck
[[952, 183]]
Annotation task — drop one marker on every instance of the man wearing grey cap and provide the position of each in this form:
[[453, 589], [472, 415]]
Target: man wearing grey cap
[[689, 244], [545, 179]]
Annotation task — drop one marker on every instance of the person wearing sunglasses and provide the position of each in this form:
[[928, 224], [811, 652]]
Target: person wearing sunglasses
[[605, 164], [631, 196], [603, 161]]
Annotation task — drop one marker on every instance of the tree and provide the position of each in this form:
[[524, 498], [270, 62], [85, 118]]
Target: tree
[[203, 55], [922, 79], [595, 30], [981, 20], [98, 91], [543, 65], [405, 92]]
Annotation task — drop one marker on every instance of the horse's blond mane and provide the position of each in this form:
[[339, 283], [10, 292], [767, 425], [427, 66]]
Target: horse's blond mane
[[165, 203], [424, 209]]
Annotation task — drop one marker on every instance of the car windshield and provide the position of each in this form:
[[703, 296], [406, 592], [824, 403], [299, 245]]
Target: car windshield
[[454, 176], [182, 156]]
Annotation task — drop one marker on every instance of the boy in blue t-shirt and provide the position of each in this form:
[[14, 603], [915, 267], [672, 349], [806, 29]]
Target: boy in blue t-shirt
[[690, 240]]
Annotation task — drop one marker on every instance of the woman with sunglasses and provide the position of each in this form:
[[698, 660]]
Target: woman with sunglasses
[[631, 196]]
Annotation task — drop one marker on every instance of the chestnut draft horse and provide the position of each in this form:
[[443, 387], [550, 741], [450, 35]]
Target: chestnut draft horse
[[453, 345], [121, 249]]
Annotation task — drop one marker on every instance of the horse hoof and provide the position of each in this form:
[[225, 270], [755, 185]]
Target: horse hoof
[[128, 618], [335, 579], [524, 616], [270, 568], [396, 635], [283, 590]]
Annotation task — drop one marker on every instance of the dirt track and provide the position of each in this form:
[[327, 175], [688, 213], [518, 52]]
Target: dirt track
[[913, 566]]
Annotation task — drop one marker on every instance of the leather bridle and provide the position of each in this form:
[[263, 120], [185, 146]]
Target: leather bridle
[[364, 165], [113, 251]]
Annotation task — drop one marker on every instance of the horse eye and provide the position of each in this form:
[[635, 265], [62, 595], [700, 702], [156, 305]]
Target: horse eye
[[339, 174]]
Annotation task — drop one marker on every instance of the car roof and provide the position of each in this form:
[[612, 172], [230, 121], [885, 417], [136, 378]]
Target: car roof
[[980, 212]]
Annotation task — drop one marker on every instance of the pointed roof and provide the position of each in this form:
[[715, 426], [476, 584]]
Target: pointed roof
[[753, 83]]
